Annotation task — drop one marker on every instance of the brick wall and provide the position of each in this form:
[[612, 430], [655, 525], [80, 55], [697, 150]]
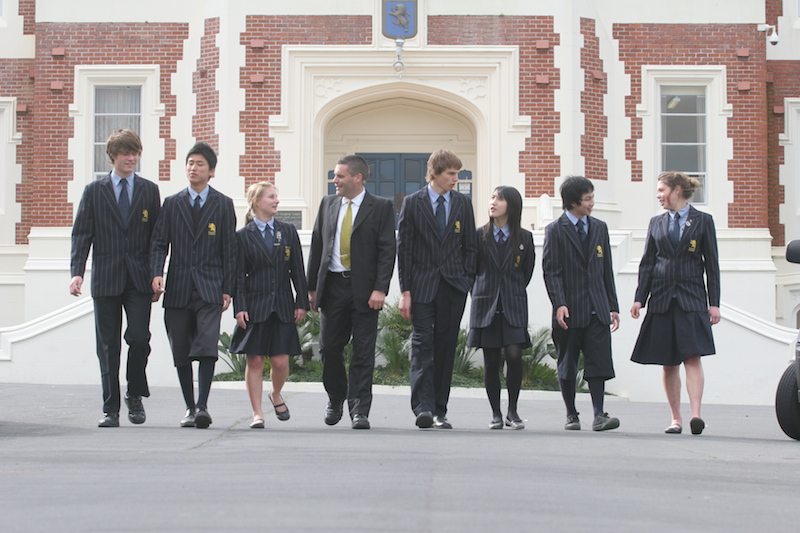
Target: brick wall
[[538, 161], [595, 87], [27, 10], [263, 95], [204, 86], [716, 44], [84, 44]]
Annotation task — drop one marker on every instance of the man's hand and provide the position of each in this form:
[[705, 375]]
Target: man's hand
[[226, 301], [405, 305], [562, 313], [714, 314], [637, 306], [242, 318], [75, 286], [299, 315], [376, 300], [614, 321], [158, 285], [312, 299]]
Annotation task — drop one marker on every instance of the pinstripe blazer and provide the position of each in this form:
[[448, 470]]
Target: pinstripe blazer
[[264, 280], [372, 245], [504, 275], [117, 247], [423, 258], [665, 271], [583, 281], [205, 260]]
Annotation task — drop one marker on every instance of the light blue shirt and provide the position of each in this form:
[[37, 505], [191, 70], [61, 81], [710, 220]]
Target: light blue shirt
[[203, 196], [434, 197], [261, 225], [572, 218], [684, 213], [116, 179], [504, 230]]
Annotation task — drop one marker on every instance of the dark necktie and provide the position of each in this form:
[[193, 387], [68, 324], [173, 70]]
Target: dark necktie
[[675, 229], [196, 205], [441, 216], [268, 238], [582, 230], [501, 237], [124, 200]]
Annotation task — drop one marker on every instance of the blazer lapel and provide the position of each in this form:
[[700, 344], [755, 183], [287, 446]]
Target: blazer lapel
[[572, 235], [427, 210], [110, 197], [209, 209], [334, 206], [136, 201], [363, 211], [688, 228], [257, 239], [663, 226], [455, 214], [185, 209]]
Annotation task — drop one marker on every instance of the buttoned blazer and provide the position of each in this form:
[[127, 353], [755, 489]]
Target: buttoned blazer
[[666, 270], [372, 248], [502, 273], [120, 250], [265, 277], [423, 258], [579, 275], [204, 259]]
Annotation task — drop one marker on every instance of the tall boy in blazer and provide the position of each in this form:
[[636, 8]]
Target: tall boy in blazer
[[349, 269], [197, 225], [436, 261], [116, 218], [576, 261]]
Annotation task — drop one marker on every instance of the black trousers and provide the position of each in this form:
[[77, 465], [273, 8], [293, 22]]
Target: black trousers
[[433, 348], [108, 330], [339, 320]]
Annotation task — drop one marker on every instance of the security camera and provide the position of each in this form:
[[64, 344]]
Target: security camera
[[773, 37]]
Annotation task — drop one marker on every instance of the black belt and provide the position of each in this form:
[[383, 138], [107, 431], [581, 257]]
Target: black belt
[[344, 274]]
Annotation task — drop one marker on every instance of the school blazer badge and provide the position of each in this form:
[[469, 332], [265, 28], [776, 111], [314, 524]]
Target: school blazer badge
[[212, 229]]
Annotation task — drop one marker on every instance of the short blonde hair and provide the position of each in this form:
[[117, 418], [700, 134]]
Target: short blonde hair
[[441, 160]]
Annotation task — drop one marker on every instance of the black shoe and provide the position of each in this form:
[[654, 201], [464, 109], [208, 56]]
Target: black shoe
[[188, 419], [424, 419], [602, 422], [202, 419], [441, 422], [515, 422], [697, 425], [572, 422], [333, 413], [497, 422], [109, 420], [135, 409], [360, 422], [282, 415]]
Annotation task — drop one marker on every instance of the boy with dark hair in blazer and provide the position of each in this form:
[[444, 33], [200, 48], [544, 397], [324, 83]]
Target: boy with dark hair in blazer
[[576, 261], [349, 269], [197, 225], [116, 218], [436, 261]]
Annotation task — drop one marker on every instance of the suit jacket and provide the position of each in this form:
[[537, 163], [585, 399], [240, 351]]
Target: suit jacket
[[666, 271], [264, 278], [423, 258], [502, 273], [579, 275], [203, 260], [372, 246], [120, 249]]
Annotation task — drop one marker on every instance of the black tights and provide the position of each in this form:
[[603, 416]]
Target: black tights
[[597, 390], [205, 373], [492, 366]]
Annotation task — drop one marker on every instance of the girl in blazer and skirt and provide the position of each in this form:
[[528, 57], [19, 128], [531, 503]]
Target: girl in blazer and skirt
[[269, 263], [499, 310], [681, 247]]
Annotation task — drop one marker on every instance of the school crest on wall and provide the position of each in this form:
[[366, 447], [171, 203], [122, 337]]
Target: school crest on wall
[[400, 19]]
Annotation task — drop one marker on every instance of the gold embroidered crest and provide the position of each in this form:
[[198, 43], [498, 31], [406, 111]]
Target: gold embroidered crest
[[287, 253], [458, 226], [517, 261], [599, 251], [693, 245], [145, 215], [212, 229]]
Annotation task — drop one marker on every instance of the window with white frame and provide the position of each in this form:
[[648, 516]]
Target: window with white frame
[[115, 107], [684, 134]]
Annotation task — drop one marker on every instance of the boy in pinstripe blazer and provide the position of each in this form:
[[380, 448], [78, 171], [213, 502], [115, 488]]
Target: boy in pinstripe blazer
[[197, 225], [437, 250], [115, 218], [576, 261]]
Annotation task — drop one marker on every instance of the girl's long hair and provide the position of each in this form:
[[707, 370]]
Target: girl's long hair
[[514, 202]]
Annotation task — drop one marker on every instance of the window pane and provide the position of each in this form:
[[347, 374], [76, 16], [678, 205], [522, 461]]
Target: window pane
[[115, 107], [118, 100], [683, 129], [683, 103], [684, 158]]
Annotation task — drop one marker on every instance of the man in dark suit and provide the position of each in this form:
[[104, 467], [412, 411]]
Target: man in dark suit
[[198, 224], [436, 262], [115, 218], [576, 261], [349, 269]]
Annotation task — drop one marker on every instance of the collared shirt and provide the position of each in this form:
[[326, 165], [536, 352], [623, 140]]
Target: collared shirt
[[115, 180], [684, 213], [504, 230], [336, 259], [260, 224], [572, 218], [203, 196], [434, 197]]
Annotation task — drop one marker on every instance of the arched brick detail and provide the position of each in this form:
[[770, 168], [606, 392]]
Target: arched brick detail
[[592, 98]]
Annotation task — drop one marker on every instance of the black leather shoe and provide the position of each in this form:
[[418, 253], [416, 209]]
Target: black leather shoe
[[424, 419], [109, 420], [202, 419], [333, 413], [360, 422], [441, 422], [135, 409], [188, 419]]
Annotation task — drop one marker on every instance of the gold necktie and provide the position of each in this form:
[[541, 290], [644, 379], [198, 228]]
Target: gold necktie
[[344, 236]]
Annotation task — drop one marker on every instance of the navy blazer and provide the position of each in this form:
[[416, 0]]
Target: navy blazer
[[265, 277], [423, 258], [579, 275], [666, 271], [204, 260], [502, 275], [372, 245], [120, 249]]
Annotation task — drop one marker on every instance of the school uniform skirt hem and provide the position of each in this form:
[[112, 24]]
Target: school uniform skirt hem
[[498, 334], [271, 337], [669, 338]]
